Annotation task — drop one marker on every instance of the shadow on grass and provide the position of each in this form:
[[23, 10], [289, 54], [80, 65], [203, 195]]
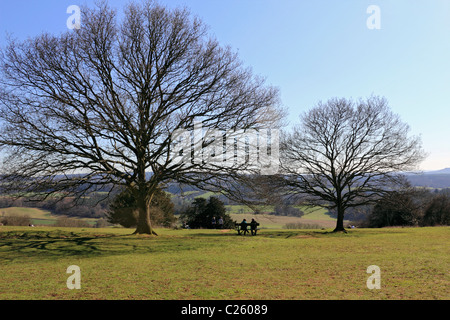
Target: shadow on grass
[[29, 245], [304, 233], [266, 233], [32, 245]]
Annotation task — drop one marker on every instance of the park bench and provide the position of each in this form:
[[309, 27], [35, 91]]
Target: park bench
[[246, 227]]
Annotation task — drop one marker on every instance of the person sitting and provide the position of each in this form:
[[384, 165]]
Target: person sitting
[[244, 226], [253, 227]]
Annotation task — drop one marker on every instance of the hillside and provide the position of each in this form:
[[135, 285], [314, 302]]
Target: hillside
[[431, 179], [442, 171], [39, 217]]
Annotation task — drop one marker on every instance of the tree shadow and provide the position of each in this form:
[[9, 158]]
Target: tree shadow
[[51, 245], [217, 235]]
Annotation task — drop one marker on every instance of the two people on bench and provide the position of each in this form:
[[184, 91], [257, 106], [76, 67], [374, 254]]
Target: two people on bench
[[244, 226]]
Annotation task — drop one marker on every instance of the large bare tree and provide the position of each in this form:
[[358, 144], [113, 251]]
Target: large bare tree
[[104, 105], [346, 154]]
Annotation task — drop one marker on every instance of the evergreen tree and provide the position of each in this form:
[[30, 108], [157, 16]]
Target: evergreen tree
[[123, 209], [202, 212]]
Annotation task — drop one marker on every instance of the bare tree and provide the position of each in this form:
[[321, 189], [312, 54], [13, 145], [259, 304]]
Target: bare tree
[[100, 106], [346, 154]]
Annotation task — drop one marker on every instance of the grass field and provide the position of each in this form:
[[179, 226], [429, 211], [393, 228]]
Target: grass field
[[38, 216], [213, 264]]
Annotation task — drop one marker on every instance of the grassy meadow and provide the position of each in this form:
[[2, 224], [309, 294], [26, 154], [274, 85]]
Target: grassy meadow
[[38, 217], [277, 264]]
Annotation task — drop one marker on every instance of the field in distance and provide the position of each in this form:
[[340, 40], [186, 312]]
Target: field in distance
[[38, 216], [312, 218], [316, 218]]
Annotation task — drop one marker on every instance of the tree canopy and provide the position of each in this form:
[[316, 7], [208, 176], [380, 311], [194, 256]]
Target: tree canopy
[[345, 154], [203, 212], [103, 105]]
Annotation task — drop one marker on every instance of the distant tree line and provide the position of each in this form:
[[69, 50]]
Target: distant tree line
[[287, 210], [407, 207], [94, 206]]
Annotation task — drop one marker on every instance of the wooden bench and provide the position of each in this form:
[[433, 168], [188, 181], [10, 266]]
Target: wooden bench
[[246, 227]]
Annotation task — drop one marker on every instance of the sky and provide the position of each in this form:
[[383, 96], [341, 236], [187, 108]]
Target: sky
[[316, 50]]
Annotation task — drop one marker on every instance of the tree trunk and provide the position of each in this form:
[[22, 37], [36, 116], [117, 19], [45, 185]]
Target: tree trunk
[[144, 225], [340, 220]]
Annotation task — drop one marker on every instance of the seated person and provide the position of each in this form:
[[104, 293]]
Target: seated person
[[244, 227], [253, 226]]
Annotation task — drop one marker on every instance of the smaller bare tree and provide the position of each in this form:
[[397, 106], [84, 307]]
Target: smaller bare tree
[[346, 154]]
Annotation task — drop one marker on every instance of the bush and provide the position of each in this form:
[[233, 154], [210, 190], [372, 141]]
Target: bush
[[202, 212], [437, 212], [16, 220], [102, 223], [399, 208], [414, 207]]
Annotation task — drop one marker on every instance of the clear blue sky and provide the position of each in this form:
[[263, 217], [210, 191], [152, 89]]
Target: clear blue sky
[[315, 50]]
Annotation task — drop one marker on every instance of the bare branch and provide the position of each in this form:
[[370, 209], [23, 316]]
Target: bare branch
[[100, 105], [345, 154]]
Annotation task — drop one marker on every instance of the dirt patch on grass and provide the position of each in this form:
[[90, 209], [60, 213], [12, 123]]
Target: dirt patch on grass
[[305, 236]]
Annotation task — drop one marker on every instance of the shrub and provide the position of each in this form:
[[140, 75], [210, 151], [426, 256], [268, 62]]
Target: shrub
[[399, 208], [16, 220], [202, 212], [415, 207], [437, 211], [102, 223]]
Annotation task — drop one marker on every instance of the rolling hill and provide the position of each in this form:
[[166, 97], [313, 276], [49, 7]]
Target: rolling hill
[[430, 179]]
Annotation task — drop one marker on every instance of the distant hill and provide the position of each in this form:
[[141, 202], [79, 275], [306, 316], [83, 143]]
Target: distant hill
[[443, 171], [431, 179], [438, 179]]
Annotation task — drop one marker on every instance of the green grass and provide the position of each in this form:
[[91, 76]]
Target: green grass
[[31, 212], [316, 214], [214, 264]]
